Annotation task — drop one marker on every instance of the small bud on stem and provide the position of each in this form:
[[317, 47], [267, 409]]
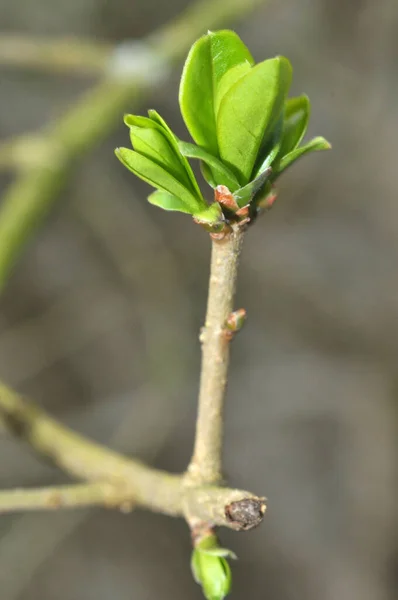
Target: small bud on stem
[[235, 322]]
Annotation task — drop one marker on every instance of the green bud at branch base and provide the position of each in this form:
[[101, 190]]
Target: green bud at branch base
[[211, 569]]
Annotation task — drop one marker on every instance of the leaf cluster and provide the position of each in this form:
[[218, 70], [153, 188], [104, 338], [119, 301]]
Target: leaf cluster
[[245, 128]]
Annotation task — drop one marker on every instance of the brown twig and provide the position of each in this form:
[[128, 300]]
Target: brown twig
[[206, 463]]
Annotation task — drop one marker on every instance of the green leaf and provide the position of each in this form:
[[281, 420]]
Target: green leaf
[[269, 149], [151, 142], [248, 110], [318, 143], [228, 80], [165, 153], [208, 60], [168, 202], [246, 194], [208, 175], [156, 176], [221, 174], [156, 118], [297, 114], [268, 160]]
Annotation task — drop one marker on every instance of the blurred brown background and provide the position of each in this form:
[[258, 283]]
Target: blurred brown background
[[99, 323]]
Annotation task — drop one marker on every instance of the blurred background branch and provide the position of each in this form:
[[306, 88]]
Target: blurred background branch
[[55, 55], [51, 498]]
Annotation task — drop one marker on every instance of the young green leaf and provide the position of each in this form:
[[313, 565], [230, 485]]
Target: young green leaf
[[318, 143], [208, 60], [208, 175], [140, 121], [248, 110], [228, 80], [296, 117], [151, 142], [168, 202], [221, 174], [159, 178], [247, 193], [269, 149], [173, 140]]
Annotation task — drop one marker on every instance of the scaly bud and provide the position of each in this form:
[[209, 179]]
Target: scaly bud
[[235, 322], [223, 196]]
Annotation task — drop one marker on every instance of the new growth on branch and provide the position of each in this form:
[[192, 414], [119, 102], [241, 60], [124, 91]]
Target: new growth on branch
[[246, 133]]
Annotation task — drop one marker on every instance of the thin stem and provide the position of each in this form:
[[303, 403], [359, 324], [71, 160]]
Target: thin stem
[[127, 482], [64, 496], [206, 463]]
